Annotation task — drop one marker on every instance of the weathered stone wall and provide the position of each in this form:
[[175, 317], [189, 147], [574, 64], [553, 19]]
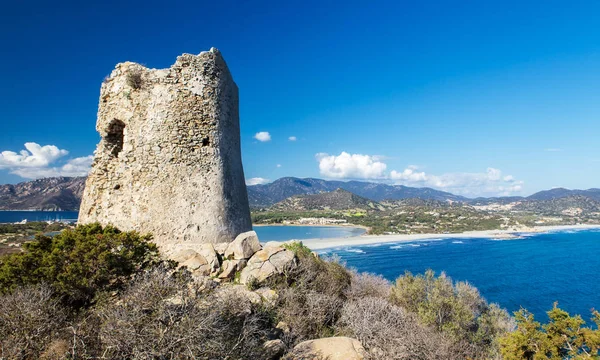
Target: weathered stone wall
[[169, 161]]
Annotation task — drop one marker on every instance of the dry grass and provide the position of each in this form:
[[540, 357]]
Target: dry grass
[[30, 318]]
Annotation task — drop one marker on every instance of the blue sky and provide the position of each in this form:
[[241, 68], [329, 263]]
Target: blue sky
[[476, 97]]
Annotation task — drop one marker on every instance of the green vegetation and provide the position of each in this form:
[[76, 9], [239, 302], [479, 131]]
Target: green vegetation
[[454, 309], [404, 220], [78, 263], [563, 337]]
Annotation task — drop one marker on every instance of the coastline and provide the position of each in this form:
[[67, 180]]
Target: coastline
[[320, 244], [318, 225]]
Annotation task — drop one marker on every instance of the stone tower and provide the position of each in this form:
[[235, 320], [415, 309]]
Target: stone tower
[[169, 161]]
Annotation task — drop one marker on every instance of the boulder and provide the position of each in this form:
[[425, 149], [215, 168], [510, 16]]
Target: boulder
[[243, 247], [194, 261], [269, 296], [220, 248], [333, 348], [267, 262], [274, 349], [209, 253], [230, 267]]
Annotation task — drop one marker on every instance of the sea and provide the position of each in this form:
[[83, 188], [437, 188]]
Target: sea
[[531, 272], [18, 216]]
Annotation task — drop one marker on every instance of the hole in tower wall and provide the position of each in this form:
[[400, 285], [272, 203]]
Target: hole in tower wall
[[114, 137]]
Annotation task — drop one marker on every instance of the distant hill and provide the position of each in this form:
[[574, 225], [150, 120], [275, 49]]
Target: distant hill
[[570, 203], [61, 193], [338, 199], [279, 190], [558, 193], [65, 193]]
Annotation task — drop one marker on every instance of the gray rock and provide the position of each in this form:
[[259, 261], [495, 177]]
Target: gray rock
[[209, 253], [332, 348], [274, 349], [243, 247], [267, 262], [230, 267]]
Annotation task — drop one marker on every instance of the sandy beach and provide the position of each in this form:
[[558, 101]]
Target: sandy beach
[[318, 244]]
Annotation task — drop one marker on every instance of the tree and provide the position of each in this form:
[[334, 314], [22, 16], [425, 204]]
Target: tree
[[80, 262], [563, 337]]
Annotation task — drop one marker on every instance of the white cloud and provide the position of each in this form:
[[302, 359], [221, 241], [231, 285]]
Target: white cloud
[[278, 165], [36, 162], [292, 138], [488, 183], [351, 166], [34, 156], [263, 136], [257, 181]]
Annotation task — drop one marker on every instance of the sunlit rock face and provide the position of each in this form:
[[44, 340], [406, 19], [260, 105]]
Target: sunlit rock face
[[169, 159]]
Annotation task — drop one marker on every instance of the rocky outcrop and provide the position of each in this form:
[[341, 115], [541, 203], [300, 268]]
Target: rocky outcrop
[[270, 261], [243, 247], [333, 348], [169, 160]]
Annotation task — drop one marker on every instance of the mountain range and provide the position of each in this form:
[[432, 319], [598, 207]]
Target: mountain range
[[59, 193], [63, 193]]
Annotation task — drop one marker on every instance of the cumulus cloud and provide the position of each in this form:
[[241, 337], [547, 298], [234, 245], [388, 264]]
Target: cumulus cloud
[[263, 136], [278, 165], [34, 156], [257, 181], [488, 183], [351, 166], [292, 138], [38, 161], [491, 182]]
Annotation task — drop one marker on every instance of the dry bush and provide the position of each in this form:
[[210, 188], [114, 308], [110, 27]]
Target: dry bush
[[134, 79], [164, 316], [390, 332], [365, 284], [30, 319], [315, 274], [309, 314]]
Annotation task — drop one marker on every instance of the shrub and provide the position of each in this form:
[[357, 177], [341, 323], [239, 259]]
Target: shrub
[[30, 318], [161, 315], [309, 314], [365, 284], [315, 274], [456, 310], [78, 263], [563, 337], [389, 332], [134, 79]]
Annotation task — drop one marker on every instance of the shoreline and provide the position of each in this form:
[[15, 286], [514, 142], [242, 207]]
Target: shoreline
[[320, 244], [319, 225]]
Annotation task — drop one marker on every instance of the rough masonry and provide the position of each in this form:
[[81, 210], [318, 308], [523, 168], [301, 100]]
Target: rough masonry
[[169, 158]]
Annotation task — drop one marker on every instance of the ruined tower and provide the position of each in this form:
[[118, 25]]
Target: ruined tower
[[169, 161]]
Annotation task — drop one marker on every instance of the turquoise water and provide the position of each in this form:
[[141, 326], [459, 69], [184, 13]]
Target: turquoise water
[[532, 272], [282, 233], [17, 216]]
